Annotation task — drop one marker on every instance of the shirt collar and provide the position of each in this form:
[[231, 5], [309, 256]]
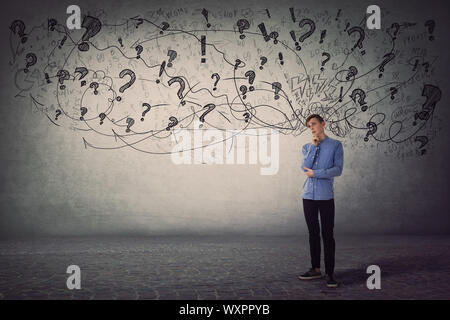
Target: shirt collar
[[326, 137]]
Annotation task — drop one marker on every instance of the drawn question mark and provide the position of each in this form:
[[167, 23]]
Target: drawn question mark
[[274, 35], [326, 60], [362, 96], [312, 27], [122, 74], [396, 27], [172, 55], [58, 113], [362, 35], [83, 71], [146, 110], [83, 112], [164, 27], [215, 75], [277, 87], [51, 23], [21, 25], [243, 89], [433, 95], [430, 24], [63, 75], [92, 26], [182, 86], [352, 71], [263, 62], [95, 86], [130, 122], [210, 107], [102, 117], [393, 91], [386, 58], [30, 63], [372, 129], [173, 122], [242, 25], [423, 141], [237, 64], [139, 50], [251, 77], [140, 21]]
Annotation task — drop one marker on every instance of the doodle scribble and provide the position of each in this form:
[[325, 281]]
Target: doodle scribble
[[248, 71]]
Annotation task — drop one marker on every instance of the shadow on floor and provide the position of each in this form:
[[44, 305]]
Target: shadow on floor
[[393, 266]]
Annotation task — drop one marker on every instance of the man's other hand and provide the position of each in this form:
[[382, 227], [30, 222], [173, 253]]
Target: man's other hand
[[309, 172]]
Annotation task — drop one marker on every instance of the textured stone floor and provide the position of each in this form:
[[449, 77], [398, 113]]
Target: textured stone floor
[[188, 267]]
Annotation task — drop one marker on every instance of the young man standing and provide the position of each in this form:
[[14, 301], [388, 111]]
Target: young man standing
[[323, 159]]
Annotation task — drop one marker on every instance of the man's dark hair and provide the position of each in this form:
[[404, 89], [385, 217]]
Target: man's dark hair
[[314, 116]]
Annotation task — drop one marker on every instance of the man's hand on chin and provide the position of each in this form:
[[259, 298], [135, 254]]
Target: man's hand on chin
[[309, 172]]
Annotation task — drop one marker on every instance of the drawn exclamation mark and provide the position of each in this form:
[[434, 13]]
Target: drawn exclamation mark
[[203, 40], [62, 42], [292, 33], [262, 27], [346, 26], [205, 14], [292, 14], [322, 35], [161, 70], [280, 55]]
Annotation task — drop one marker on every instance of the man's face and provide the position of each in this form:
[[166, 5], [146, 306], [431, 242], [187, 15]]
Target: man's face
[[315, 126]]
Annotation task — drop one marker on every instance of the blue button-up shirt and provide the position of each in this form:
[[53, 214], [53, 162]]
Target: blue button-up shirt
[[327, 161]]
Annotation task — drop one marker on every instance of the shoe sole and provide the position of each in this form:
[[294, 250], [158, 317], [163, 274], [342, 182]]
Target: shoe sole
[[309, 278], [332, 285]]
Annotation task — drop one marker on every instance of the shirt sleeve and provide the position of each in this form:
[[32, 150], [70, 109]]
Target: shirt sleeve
[[308, 156], [338, 164]]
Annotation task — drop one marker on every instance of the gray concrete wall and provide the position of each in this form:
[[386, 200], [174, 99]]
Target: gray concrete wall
[[52, 185]]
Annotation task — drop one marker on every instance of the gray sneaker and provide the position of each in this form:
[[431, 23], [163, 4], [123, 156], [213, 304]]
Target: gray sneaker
[[311, 274], [331, 282]]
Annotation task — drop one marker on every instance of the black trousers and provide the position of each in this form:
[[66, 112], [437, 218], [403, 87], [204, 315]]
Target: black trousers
[[311, 208]]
